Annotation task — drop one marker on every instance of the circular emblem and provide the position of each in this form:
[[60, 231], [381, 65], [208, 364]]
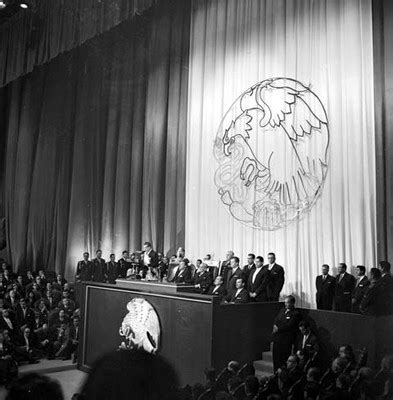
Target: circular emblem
[[272, 149], [140, 327]]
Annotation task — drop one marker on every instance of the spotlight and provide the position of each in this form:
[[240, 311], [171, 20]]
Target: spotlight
[[3, 4], [24, 5]]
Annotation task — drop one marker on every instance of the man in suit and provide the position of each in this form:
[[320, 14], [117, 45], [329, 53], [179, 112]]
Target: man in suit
[[123, 264], [225, 266], [345, 283], [277, 277], [387, 286], [373, 301], [111, 269], [284, 333], [258, 281], [7, 321], [218, 288], [325, 289], [24, 315], [12, 301], [240, 294], [233, 274], [202, 279], [84, 269], [250, 267], [149, 256], [98, 270], [307, 341], [361, 285], [183, 273]]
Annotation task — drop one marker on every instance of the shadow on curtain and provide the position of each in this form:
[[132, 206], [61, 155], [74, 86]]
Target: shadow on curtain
[[95, 146]]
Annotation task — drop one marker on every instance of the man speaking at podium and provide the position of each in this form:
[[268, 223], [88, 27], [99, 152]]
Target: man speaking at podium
[[149, 256]]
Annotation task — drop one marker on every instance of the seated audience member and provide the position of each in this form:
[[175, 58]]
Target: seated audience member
[[7, 321], [53, 298], [338, 367], [29, 277], [258, 281], [223, 377], [387, 288], [61, 344], [67, 305], [240, 294], [183, 274], [131, 374], [57, 319], [202, 279], [42, 276], [307, 341], [58, 284], [383, 380], [218, 289], [363, 387], [361, 285], [19, 289], [35, 387], [325, 285], [3, 287], [44, 341], [285, 330], [43, 309], [71, 292], [24, 315], [74, 338], [251, 387], [26, 347], [7, 277], [250, 266], [373, 301], [11, 301], [345, 283], [277, 277], [234, 273], [289, 374], [8, 367], [312, 387], [35, 289]]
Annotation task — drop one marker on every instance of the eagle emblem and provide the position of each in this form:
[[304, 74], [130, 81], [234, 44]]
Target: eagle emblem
[[272, 150]]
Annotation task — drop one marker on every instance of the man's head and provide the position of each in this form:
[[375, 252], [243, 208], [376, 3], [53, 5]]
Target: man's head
[[203, 267], [289, 302], [59, 277], [112, 257], [20, 280], [12, 294], [259, 261], [125, 254], [98, 253], [6, 313], [61, 314], [6, 335], [339, 364], [38, 280], [182, 265], [147, 246], [292, 362], [22, 303], [86, 256], [35, 286], [49, 286], [198, 263], [347, 352], [375, 274], [384, 266], [49, 293], [66, 294], [219, 280], [271, 258], [66, 302], [250, 259], [41, 273], [75, 321], [342, 267], [304, 328], [26, 331], [229, 255], [325, 269], [234, 262], [360, 270], [29, 274], [313, 374], [240, 283]]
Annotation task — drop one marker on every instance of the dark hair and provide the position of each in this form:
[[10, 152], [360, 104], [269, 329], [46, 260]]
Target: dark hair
[[343, 265], [147, 244], [241, 278], [260, 258], [199, 260], [125, 251], [314, 373], [325, 265], [304, 324], [291, 299], [251, 255], [33, 386], [236, 259], [86, 252], [98, 251], [131, 374], [375, 273], [112, 254], [271, 254], [361, 268], [385, 266]]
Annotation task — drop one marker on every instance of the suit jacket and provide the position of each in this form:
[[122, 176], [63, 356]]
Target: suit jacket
[[204, 280], [241, 297], [373, 302], [153, 258], [220, 292], [122, 267], [325, 292], [231, 279], [111, 271], [277, 280], [358, 293], [260, 285], [311, 345], [84, 271], [343, 292], [98, 271], [287, 324], [24, 319], [183, 276], [247, 270]]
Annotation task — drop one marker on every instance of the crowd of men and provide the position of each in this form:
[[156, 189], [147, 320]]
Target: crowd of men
[[256, 281], [39, 317]]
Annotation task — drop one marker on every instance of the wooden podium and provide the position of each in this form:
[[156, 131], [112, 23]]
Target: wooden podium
[[196, 331]]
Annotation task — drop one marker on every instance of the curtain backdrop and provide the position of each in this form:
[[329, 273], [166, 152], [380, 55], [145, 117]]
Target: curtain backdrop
[[35, 36], [329, 201], [95, 146]]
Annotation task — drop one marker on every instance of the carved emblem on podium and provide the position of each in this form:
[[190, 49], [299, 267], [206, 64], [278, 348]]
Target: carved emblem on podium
[[272, 150], [140, 327]]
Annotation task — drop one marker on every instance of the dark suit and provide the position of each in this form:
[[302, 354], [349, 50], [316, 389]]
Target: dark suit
[[111, 271], [204, 280], [387, 289], [25, 318], [373, 302], [219, 292], [358, 293], [224, 269], [122, 267], [285, 337], [153, 258], [247, 270], [277, 279], [84, 270], [325, 292], [310, 346], [238, 298], [343, 292], [183, 276], [260, 285], [231, 278], [97, 274]]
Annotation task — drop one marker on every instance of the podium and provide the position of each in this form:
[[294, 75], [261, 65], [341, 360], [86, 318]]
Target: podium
[[196, 331]]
